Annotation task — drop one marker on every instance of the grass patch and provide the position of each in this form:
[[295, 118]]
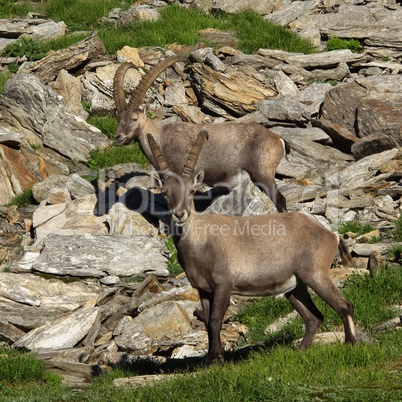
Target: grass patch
[[262, 312], [372, 298], [395, 252], [25, 198], [82, 14], [63, 42], [117, 154], [18, 367], [335, 43], [397, 232], [11, 8], [3, 79], [270, 36], [33, 50], [181, 25], [108, 125], [109, 157], [355, 227]]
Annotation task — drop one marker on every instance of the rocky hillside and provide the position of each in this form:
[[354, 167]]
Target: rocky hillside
[[82, 244]]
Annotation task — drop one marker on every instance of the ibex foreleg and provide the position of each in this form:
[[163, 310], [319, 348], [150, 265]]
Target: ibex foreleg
[[219, 302]]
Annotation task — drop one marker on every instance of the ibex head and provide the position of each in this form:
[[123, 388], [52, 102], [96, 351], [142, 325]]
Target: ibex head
[[179, 190], [131, 118]]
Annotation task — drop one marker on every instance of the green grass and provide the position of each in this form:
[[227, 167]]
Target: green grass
[[322, 373], [397, 232], [254, 33], [109, 157], [17, 367], [190, 21], [33, 50], [335, 43], [371, 296], [395, 252], [82, 14], [24, 198], [176, 25], [117, 154], [368, 371], [357, 228], [4, 77], [10, 8], [107, 124], [36, 50]]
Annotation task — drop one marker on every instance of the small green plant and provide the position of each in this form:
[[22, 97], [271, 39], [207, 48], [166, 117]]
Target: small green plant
[[24, 198], [173, 264], [335, 43], [13, 68], [31, 49], [86, 105], [334, 83], [357, 228], [3, 79]]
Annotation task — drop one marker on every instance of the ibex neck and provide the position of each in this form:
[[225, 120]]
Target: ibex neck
[[190, 231]]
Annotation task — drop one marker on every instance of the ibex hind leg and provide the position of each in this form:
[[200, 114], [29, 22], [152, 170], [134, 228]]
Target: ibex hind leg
[[325, 288], [301, 301], [269, 187]]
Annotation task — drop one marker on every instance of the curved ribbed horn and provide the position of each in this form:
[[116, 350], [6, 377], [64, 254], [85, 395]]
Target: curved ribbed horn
[[149, 78], [118, 86], [194, 154], [160, 160]]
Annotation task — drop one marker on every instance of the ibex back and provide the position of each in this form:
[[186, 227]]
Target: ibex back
[[232, 147], [258, 255]]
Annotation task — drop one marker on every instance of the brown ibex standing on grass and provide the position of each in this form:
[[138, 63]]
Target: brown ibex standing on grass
[[232, 147], [256, 255]]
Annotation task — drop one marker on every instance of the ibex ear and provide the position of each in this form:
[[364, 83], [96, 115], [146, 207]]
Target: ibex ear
[[156, 181], [198, 179]]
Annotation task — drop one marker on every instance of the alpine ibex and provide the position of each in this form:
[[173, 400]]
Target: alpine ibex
[[232, 147], [255, 255]]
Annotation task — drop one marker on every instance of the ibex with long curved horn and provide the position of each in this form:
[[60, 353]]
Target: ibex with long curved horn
[[232, 147], [257, 255]]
